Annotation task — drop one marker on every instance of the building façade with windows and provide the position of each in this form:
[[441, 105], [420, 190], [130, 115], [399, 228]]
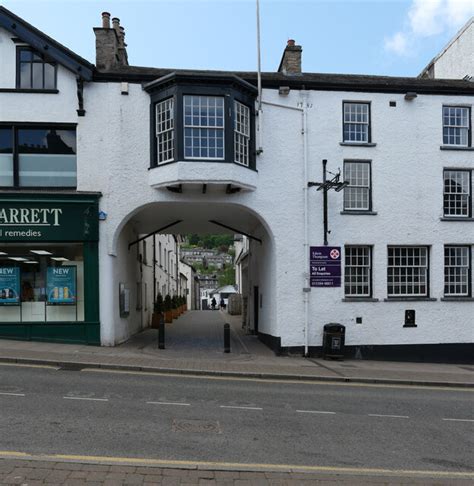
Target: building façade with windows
[[192, 151]]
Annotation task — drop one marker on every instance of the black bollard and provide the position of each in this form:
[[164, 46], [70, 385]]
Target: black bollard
[[226, 338], [161, 333]]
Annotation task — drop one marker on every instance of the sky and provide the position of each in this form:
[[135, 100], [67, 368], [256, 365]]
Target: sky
[[383, 37]]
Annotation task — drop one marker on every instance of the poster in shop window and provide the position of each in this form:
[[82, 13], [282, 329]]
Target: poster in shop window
[[325, 266], [61, 285], [9, 286]]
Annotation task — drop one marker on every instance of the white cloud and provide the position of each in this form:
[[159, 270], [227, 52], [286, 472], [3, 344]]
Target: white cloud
[[428, 18], [397, 43]]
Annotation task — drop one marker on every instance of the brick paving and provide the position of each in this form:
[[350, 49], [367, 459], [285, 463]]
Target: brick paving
[[35, 473], [248, 358]]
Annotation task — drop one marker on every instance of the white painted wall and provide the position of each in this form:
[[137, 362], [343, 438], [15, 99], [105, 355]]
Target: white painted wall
[[458, 59], [407, 166], [60, 107]]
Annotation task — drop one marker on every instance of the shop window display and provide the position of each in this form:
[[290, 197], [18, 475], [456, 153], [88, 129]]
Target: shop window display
[[41, 282]]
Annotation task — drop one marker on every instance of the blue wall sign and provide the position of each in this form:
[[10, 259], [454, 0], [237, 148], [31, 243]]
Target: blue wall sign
[[325, 266], [61, 285], [9, 286]]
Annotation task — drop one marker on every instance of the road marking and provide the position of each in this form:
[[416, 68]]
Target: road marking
[[202, 465], [289, 381], [86, 398], [390, 416], [170, 403], [241, 408], [316, 411], [458, 420], [12, 394]]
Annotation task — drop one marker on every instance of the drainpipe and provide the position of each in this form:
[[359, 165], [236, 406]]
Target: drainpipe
[[307, 287], [259, 86], [154, 270]]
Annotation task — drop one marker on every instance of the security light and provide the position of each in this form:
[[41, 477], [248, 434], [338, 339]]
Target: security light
[[341, 185], [410, 96]]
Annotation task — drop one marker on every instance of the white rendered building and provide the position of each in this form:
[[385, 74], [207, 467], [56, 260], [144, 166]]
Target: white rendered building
[[191, 152], [456, 60]]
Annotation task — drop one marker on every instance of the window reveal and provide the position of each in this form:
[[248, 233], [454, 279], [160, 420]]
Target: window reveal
[[456, 125], [457, 193], [357, 193], [204, 127], [457, 271], [356, 122], [165, 130], [407, 272], [241, 133], [357, 271], [34, 72]]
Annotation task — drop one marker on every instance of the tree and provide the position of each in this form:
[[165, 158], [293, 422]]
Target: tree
[[227, 277]]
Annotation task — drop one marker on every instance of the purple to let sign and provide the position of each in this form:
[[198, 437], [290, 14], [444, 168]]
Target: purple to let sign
[[325, 266]]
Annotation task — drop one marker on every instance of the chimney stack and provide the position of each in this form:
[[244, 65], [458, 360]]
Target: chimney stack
[[290, 63], [110, 47]]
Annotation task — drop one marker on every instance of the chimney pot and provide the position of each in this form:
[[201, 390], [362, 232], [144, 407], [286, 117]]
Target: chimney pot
[[105, 20], [291, 42]]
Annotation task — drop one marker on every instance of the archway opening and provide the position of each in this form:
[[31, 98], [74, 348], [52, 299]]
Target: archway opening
[[213, 261]]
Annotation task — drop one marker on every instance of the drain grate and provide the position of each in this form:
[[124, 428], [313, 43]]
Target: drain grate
[[199, 426]]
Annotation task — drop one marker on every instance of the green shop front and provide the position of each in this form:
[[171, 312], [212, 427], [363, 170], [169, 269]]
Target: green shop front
[[49, 287]]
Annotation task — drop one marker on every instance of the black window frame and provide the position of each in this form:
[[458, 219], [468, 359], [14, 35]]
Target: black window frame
[[469, 128], [369, 129], [470, 199], [352, 210], [428, 274], [230, 91], [15, 126], [44, 60]]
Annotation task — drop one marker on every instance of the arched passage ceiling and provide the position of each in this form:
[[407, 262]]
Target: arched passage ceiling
[[195, 218]]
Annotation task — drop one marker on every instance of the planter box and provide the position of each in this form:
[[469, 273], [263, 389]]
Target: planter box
[[168, 316]]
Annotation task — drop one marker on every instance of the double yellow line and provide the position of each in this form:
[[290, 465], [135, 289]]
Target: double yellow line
[[234, 466]]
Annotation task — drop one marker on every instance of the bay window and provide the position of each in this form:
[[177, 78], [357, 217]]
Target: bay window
[[200, 119]]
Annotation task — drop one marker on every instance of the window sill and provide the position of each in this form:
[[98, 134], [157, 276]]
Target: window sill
[[456, 218], [410, 299], [359, 213], [355, 144], [24, 90], [457, 299], [455, 147], [359, 299]]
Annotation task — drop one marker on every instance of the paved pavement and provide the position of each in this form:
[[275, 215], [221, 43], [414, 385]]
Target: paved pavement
[[68, 473], [194, 345]]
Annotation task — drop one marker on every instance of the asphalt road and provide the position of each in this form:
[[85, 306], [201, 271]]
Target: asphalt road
[[47, 411]]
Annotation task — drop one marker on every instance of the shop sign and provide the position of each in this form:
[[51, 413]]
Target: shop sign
[[9, 286], [61, 285], [325, 266], [37, 220]]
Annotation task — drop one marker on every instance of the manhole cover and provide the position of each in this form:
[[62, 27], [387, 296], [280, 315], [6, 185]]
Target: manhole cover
[[196, 426]]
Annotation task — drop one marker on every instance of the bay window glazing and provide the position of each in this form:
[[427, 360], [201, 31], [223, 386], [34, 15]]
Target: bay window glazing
[[204, 127]]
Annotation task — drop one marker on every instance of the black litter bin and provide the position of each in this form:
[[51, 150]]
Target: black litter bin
[[333, 341]]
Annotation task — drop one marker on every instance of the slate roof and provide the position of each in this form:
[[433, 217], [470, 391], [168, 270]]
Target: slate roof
[[317, 81]]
